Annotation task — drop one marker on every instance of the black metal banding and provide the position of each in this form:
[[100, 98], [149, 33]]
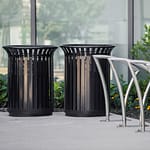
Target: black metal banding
[[30, 79], [83, 89]]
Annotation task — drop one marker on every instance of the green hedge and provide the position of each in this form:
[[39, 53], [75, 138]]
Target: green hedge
[[3, 90], [59, 94], [133, 101]]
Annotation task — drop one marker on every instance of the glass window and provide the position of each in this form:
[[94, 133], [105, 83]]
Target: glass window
[[82, 21], [14, 26], [65, 21]]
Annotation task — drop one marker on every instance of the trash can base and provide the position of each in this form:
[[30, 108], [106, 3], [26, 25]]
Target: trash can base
[[84, 114], [29, 114]]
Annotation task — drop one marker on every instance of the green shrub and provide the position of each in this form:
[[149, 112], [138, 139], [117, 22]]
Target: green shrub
[[3, 90], [114, 94], [141, 49], [59, 94], [133, 101]]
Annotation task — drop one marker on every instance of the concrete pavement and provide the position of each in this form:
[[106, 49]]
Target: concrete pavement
[[60, 132]]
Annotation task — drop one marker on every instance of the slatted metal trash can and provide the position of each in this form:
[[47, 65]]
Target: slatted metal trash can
[[30, 80], [83, 89]]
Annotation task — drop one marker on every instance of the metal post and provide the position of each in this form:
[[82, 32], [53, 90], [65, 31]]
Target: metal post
[[33, 22], [130, 25]]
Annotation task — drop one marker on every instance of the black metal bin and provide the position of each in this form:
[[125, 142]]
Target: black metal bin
[[30, 79], [83, 89]]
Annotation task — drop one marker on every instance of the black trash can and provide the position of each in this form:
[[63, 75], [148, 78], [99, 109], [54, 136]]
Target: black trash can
[[83, 89], [30, 80]]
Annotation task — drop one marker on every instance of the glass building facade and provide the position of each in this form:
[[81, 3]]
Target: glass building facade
[[59, 22], [14, 26]]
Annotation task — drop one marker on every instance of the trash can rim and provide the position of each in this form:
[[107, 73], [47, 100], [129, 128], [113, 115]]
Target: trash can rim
[[87, 45], [29, 46]]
